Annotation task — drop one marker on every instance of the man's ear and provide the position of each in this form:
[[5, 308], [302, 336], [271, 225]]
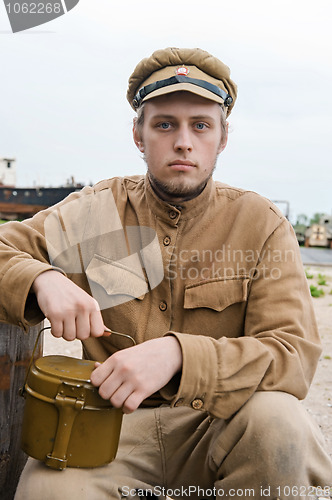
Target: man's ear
[[137, 136], [223, 141]]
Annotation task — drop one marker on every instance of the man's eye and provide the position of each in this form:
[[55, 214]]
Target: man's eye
[[164, 125], [200, 126]]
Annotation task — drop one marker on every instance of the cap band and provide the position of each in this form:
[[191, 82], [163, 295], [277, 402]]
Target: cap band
[[144, 91]]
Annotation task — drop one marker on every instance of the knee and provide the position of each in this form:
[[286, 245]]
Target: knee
[[275, 427], [275, 416], [271, 440]]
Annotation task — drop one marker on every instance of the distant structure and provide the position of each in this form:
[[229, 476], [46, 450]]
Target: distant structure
[[23, 202], [319, 234], [8, 172]]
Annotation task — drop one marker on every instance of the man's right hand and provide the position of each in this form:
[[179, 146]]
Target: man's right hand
[[72, 312]]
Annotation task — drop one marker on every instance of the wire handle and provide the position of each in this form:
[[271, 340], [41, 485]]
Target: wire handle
[[22, 390], [108, 330], [121, 334]]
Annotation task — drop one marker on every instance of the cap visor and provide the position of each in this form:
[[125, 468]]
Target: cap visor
[[188, 87]]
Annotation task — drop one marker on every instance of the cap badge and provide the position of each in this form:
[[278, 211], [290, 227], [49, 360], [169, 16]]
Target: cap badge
[[182, 70]]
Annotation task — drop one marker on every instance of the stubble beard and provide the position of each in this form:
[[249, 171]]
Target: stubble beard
[[173, 189]]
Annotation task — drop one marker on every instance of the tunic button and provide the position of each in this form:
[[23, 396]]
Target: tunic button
[[167, 241], [163, 306], [197, 404], [179, 402], [172, 214]]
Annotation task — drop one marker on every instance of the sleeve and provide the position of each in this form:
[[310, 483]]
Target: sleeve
[[22, 259], [24, 254], [279, 348]]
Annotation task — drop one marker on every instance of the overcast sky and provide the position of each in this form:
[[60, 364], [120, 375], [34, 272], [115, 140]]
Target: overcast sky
[[63, 91]]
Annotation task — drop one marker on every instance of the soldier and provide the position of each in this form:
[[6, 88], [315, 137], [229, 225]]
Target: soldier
[[208, 280]]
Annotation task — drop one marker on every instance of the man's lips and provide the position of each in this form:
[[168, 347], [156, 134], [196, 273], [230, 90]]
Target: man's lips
[[182, 165]]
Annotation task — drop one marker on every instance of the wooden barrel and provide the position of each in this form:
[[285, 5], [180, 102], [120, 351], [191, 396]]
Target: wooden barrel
[[16, 348]]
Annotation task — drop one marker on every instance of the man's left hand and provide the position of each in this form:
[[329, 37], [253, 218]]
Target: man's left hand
[[129, 376]]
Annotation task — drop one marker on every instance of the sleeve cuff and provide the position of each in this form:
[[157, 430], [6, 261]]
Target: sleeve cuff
[[196, 385]]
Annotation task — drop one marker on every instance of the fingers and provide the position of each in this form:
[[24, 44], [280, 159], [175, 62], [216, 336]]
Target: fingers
[[82, 326], [127, 398], [79, 327], [72, 312], [129, 376], [97, 327], [121, 392], [60, 328], [89, 323], [132, 403], [119, 382], [56, 328], [102, 372]]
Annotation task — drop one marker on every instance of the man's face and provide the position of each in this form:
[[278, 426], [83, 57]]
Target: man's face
[[181, 138]]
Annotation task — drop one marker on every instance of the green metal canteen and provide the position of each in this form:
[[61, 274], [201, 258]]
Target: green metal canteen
[[66, 422]]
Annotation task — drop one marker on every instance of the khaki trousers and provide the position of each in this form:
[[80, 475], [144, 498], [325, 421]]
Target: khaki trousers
[[268, 449]]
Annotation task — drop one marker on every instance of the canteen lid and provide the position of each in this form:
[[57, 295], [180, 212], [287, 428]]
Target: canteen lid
[[66, 367], [72, 374]]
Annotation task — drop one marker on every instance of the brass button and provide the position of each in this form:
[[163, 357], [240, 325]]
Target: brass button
[[179, 402], [167, 241], [172, 214], [197, 404], [163, 306]]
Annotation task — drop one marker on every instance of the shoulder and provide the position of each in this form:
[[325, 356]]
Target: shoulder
[[249, 212], [243, 199], [118, 184]]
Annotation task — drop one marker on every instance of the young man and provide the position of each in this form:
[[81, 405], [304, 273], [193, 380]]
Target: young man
[[208, 280]]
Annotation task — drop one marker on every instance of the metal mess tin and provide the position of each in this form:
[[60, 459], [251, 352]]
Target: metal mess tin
[[66, 422]]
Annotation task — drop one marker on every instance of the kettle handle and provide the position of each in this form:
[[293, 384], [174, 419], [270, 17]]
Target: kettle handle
[[108, 330], [22, 389]]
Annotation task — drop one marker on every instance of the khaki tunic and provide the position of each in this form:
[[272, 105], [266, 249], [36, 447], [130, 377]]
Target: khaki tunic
[[222, 273]]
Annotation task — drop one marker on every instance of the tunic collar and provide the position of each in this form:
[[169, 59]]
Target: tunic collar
[[186, 210]]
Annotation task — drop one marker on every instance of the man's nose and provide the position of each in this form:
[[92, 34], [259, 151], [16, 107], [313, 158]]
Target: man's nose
[[183, 140]]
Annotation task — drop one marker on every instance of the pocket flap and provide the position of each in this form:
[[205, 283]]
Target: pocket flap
[[122, 277], [217, 294]]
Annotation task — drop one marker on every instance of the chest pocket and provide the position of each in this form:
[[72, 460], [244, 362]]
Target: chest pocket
[[116, 282], [216, 294]]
